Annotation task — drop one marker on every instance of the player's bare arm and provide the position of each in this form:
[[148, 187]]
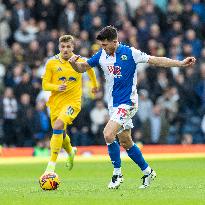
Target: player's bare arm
[[167, 62], [79, 67]]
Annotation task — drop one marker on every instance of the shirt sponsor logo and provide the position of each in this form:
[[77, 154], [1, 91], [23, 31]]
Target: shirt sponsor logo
[[71, 79], [115, 71], [62, 79]]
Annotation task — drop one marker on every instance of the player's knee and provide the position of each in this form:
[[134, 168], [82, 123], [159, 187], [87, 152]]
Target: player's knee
[[126, 143], [58, 125], [108, 135], [123, 143]]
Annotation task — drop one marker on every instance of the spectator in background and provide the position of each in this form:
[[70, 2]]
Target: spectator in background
[[185, 15], [5, 56], [23, 35], [96, 24], [174, 10], [157, 86], [24, 86], [18, 53], [30, 5], [80, 131], [54, 35], [14, 76], [46, 11], [143, 33], [155, 124], [25, 123], [174, 29], [195, 43], [196, 25], [203, 126], [155, 33], [93, 11], [67, 17], [43, 35], [202, 59], [118, 16], [169, 103], [199, 8], [9, 108], [98, 116], [5, 30], [138, 137], [41, 121], [34, 55], [144, 106], [19, 14], [200, 86], [84, 39], [187, 139], [50, 49], [2, 73]]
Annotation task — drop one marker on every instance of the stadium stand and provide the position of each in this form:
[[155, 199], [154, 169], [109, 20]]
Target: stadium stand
[[171, 101]]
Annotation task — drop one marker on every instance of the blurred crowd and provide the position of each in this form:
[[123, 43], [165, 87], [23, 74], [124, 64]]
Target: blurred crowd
[[171, 100]]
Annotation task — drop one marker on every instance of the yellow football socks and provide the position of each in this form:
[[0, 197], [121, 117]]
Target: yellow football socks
[[55, 146], [66, 144]]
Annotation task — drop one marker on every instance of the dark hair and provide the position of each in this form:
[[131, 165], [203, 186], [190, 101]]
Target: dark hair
[[107, 33]]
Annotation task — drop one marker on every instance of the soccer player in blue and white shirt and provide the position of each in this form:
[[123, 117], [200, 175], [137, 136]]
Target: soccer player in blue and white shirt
[[119, 63]]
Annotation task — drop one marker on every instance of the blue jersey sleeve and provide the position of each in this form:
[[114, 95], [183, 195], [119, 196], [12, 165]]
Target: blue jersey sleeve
[[94, 60]]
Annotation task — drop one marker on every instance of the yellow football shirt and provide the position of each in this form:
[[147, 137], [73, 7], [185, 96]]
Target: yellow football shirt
[[59, 71]]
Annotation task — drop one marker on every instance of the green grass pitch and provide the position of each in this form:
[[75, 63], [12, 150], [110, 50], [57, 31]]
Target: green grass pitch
[[178, 182]]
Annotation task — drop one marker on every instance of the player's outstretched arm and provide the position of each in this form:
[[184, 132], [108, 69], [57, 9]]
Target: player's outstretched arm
[[167, 62], [79, 67]]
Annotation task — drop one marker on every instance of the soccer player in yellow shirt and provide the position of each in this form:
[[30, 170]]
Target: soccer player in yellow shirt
[[65, 85]]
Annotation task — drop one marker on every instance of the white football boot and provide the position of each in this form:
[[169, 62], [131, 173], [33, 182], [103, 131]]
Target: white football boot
[[147, 179], [70, 159], [115, 181]]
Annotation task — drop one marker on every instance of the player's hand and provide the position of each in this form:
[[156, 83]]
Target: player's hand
[[62, 87], [73, 59], [189, 61], [95, 90]]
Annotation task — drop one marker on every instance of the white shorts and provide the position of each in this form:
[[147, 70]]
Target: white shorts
[[123, 115]]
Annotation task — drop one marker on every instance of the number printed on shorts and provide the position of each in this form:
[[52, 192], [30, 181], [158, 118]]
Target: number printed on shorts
[[122, 112], [70, 110]]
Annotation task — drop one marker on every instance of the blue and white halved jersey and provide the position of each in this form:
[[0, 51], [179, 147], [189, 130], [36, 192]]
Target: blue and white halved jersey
[[120, 73]]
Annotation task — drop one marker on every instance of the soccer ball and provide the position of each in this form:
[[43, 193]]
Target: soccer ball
[[49, 181]]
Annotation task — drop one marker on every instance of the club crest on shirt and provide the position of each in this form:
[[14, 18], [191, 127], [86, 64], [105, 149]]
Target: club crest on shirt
[[123, 57]]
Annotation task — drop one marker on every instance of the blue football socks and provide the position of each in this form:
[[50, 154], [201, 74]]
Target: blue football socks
[[114, 152], [136, 155]]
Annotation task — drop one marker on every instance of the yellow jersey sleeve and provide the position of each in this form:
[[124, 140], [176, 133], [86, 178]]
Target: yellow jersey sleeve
[[91, 74], [46, 78]]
